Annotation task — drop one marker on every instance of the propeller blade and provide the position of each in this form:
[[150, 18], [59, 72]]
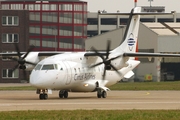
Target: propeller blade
[[104, 73], [114, 58], [96, 64], [93, 49], [29, 50], [108, 48], [15, 67], [115, 69], [17, 49]]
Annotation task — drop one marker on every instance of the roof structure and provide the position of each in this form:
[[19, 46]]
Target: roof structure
[[164, 28]]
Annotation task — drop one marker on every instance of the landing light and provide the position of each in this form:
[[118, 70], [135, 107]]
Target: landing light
[[85, 85]]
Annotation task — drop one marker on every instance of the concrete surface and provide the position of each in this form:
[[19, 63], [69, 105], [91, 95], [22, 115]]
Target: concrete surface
[[116, 100]]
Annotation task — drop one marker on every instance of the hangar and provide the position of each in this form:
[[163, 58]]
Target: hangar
[[153, 37]]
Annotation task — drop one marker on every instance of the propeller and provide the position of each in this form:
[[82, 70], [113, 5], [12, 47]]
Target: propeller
[[21, 59], [105, 59]]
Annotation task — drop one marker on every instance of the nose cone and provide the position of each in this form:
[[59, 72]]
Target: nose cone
[[36, 79], [43, 79]]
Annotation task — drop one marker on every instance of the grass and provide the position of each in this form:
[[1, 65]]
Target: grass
[[92, 115], [147, 86], [122, 86]]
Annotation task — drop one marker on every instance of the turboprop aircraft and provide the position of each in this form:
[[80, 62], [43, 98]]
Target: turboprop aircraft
[[91, 71]]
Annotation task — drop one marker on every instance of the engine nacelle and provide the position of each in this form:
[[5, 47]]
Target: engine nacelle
[[33, 58]]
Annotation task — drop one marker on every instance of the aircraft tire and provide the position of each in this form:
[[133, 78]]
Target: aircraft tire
[[65, 94], [61, 94], [43, 96], [99, 94], [104, 94]]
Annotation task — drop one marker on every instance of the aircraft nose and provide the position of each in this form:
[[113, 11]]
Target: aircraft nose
[[42, 79], [35, 80]]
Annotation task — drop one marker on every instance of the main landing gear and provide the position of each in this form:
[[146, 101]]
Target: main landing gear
[[101, 93], [63, 94]]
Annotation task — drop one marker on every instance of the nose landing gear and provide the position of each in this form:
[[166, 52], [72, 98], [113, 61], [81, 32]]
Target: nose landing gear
[[42, 94]]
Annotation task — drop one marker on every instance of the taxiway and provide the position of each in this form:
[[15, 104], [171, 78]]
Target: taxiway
[[116, 100]]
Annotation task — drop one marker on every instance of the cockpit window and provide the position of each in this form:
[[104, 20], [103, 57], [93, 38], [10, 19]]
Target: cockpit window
[[56, 66], [49, 67], [38, 67]]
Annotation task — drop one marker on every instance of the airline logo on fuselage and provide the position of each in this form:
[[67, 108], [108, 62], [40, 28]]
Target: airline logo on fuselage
[[131, 42], [85, 76]]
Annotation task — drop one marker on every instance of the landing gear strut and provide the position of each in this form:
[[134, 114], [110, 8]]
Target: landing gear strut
[[42, 94], [63, 94], [101, 93]]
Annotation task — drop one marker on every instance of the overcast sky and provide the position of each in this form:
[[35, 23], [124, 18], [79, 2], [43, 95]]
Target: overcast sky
[[127, 5]]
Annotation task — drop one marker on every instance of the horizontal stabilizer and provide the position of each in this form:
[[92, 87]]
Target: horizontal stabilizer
[[129, 74]]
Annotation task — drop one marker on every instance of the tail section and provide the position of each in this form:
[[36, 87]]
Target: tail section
[[129, 42]]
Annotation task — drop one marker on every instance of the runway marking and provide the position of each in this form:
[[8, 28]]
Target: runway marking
[[86, 103], [147, 93]]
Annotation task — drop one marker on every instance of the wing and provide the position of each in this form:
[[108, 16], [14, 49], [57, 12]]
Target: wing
[[143, 54], [44, 53]]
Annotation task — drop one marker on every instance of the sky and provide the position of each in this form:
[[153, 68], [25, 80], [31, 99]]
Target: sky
[[126, 5]]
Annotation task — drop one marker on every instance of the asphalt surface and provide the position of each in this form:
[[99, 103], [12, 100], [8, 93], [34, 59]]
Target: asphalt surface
[[116, 100]]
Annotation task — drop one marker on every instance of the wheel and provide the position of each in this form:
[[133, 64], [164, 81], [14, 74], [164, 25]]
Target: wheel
[[104, 94], [45, 96], [41, 96], [61, 94], [65, 94], [99, 94]]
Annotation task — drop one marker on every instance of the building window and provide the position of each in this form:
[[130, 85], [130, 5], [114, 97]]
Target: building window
[[10, 20], [9, 73], [10, 38]]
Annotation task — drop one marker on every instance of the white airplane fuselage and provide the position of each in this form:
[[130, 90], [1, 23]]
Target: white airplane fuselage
[[71, 72]]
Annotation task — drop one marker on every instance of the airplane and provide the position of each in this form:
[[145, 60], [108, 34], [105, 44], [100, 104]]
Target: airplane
[[92, 71]]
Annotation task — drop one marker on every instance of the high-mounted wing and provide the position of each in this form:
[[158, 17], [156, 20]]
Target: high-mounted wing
[[143, 54]]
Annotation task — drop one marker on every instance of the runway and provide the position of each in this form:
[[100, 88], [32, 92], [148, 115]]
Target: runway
[[116, 100]]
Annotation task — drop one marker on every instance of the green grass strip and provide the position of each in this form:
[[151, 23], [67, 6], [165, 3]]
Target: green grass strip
[[92, 115], [175, 85]]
